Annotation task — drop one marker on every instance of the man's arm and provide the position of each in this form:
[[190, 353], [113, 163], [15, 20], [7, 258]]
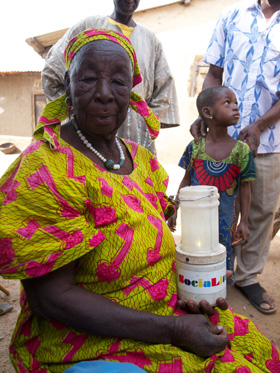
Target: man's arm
[[213, 77], [164, 97], [54, 70]]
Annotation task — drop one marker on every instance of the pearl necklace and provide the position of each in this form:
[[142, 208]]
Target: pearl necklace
[[109, 163]]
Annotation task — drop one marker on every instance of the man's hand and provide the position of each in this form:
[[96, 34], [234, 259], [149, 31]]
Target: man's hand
[[251, 134], [197, 129]]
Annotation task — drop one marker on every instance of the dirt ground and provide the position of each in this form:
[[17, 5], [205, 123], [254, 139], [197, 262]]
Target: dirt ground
[[269, 325]]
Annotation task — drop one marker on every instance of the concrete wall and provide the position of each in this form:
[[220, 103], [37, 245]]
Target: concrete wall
[[17, 111]]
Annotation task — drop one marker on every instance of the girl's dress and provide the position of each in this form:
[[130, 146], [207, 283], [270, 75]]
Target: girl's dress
[[226, 175]]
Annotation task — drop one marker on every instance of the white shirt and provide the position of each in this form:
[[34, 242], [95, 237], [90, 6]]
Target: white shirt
[[248, 49]]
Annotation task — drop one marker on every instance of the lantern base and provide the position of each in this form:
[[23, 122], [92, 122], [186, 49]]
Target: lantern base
[[201, 276]]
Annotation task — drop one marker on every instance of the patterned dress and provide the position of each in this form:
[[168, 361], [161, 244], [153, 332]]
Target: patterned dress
[[57, 206], [226, 175]]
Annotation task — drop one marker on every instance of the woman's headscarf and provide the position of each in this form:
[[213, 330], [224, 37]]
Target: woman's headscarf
[[57, 110]]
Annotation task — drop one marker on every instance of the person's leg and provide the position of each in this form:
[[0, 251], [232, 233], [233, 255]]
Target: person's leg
[[276, 224], [252, 257]]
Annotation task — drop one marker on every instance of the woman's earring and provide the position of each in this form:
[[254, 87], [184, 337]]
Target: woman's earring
[[68, 103], [211, 117]]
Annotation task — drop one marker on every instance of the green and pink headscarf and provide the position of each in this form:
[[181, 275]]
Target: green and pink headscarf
[[57, 110]]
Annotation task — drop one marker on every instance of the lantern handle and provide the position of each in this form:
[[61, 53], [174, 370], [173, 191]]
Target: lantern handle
[[175, 200]]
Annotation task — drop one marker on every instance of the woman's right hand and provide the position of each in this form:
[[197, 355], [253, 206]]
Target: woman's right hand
[[195, 334], [198, 128]]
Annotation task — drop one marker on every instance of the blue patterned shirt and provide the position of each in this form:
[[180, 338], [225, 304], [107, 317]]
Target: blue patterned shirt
[[248, 49]]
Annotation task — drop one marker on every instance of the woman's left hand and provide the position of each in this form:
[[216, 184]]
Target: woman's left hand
[[203, 307]]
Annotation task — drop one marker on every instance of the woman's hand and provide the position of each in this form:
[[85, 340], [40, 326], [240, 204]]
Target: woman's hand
[[203, 307], [194, 333], [198, 129]]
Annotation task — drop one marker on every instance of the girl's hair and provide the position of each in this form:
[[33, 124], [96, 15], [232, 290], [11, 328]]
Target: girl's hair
[[208, 97]]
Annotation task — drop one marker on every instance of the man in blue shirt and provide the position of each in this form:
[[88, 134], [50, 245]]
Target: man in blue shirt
[[244, 54]]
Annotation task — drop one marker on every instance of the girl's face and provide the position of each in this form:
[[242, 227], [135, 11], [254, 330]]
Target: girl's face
[[225, 110]]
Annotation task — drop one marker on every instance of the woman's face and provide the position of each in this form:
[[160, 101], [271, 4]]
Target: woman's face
[[100, 87]]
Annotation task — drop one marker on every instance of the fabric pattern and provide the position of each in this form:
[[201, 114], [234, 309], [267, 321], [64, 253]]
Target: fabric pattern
[[58, 206], [226, 175], [157, 87], [93, 34], [248, 49]]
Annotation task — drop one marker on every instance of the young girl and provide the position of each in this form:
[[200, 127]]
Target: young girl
[[219, 160]]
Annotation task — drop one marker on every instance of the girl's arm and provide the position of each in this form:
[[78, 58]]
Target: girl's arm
[[245, 202], [186, 181]]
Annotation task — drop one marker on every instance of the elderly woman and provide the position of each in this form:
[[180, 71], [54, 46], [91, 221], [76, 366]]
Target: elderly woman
[[83, 226]]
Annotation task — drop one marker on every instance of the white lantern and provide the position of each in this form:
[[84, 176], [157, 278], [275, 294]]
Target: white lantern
[[200, 259]]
